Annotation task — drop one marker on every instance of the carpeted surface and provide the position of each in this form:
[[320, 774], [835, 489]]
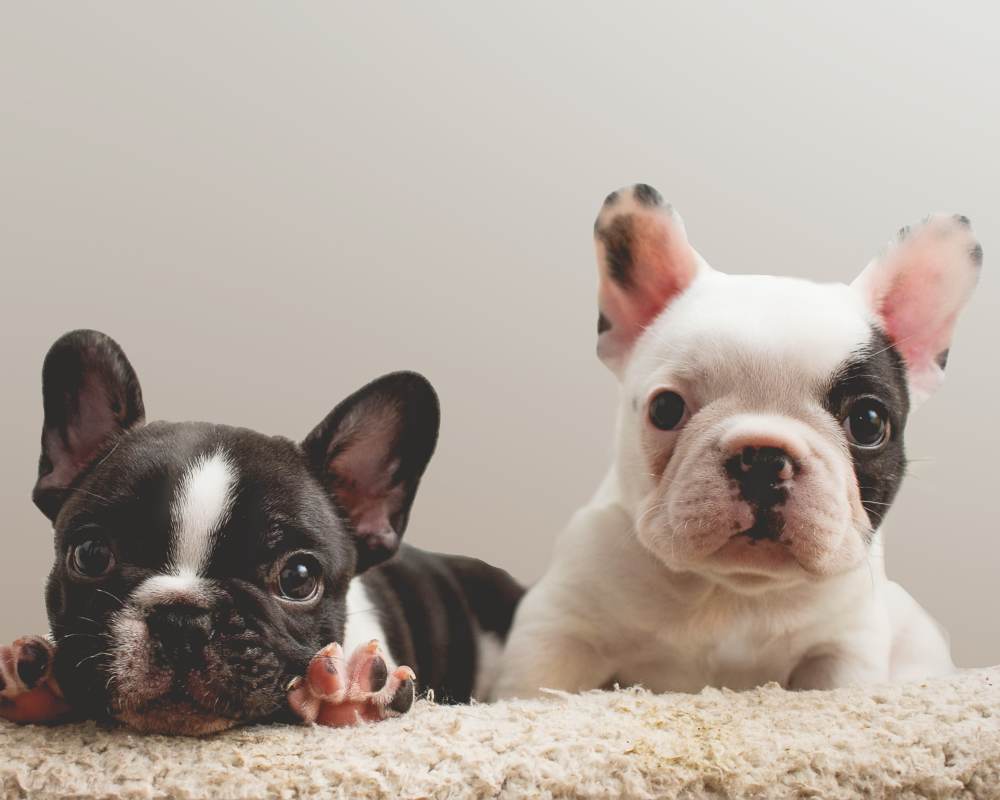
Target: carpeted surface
[[937, 739]]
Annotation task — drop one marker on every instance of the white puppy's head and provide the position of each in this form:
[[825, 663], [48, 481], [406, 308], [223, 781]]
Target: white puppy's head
[[761, 427]]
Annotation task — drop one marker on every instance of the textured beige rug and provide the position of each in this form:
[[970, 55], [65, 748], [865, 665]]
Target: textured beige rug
[[937, 739]]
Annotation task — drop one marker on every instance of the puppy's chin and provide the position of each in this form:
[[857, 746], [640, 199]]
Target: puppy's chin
[[191, 711], [725, 541], [194, 706], [174, 718]]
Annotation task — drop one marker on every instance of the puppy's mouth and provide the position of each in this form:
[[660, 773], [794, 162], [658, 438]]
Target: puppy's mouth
[[768, 525], [757, 550]]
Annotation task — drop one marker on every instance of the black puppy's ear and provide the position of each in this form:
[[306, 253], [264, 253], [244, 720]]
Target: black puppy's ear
[[370, 453], [91, 395]]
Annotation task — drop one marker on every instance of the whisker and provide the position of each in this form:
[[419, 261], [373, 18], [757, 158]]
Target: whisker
[[112, 596], [103, 499], [89, 658], [88, 635], [111, 452], [894, 344]]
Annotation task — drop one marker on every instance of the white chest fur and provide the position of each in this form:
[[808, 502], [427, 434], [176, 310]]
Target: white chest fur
[[363, 623], [607, 611]]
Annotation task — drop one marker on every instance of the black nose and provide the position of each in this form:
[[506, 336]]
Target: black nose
[[178, 634], [762, 473]]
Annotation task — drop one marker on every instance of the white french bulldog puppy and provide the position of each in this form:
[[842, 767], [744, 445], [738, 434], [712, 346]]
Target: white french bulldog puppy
[[736, 538]]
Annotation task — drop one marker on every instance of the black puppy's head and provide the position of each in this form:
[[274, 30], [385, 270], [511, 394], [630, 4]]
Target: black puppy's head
[[198, 567]]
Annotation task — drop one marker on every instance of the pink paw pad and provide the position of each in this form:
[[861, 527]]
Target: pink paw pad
[[27, 691], [337, 692]]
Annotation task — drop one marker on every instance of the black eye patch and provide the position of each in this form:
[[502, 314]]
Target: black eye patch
[[877, 372]]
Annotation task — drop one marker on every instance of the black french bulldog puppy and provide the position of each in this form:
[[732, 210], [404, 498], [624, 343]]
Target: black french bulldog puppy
[[207, 576]]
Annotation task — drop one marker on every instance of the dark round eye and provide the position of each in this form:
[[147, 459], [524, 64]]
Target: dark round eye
[[92, 558], [867, 423], [666, 410], [299, 578]]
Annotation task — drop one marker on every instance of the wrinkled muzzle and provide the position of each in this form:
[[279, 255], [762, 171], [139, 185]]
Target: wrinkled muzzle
[[757, 493], [184, 660]]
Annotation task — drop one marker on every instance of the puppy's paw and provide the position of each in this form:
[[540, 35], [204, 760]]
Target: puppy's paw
[[338, 691], [27, 691]]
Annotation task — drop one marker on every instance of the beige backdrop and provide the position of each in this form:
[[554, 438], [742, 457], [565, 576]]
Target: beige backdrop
[[269, 204]]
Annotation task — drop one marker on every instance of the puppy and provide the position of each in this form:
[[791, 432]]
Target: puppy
[[736, 539], [207, 575]]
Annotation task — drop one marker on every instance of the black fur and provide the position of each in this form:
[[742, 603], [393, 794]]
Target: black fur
[[427, 600], [247, 643], [976, 254], [878, 371], [617, 239], [646, 195]]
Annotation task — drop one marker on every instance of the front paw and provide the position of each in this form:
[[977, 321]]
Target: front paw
[[27, 691], [337, 692]]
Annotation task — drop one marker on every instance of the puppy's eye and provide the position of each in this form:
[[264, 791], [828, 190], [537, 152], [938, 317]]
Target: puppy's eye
[[92, 558], [667, 410], [867, 423], [299, 578]]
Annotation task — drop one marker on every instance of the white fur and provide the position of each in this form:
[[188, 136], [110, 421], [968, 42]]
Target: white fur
[[200, 507], [199, 510], [363, 623], [158, 589], [633, 594], [608, 612], [489, 659]]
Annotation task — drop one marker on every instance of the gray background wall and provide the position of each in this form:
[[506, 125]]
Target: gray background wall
[[270, 203]]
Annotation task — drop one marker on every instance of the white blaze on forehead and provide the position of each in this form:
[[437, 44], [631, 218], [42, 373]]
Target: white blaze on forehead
[[200, 508]]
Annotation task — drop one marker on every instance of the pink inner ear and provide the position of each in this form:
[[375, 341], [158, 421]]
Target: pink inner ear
[[363, 472], [94, 423], [918, 310], [370, 508], [917, 291], [663, 266]]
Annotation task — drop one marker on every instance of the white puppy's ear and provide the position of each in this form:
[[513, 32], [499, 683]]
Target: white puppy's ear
[[916, 290], [645, 262]]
